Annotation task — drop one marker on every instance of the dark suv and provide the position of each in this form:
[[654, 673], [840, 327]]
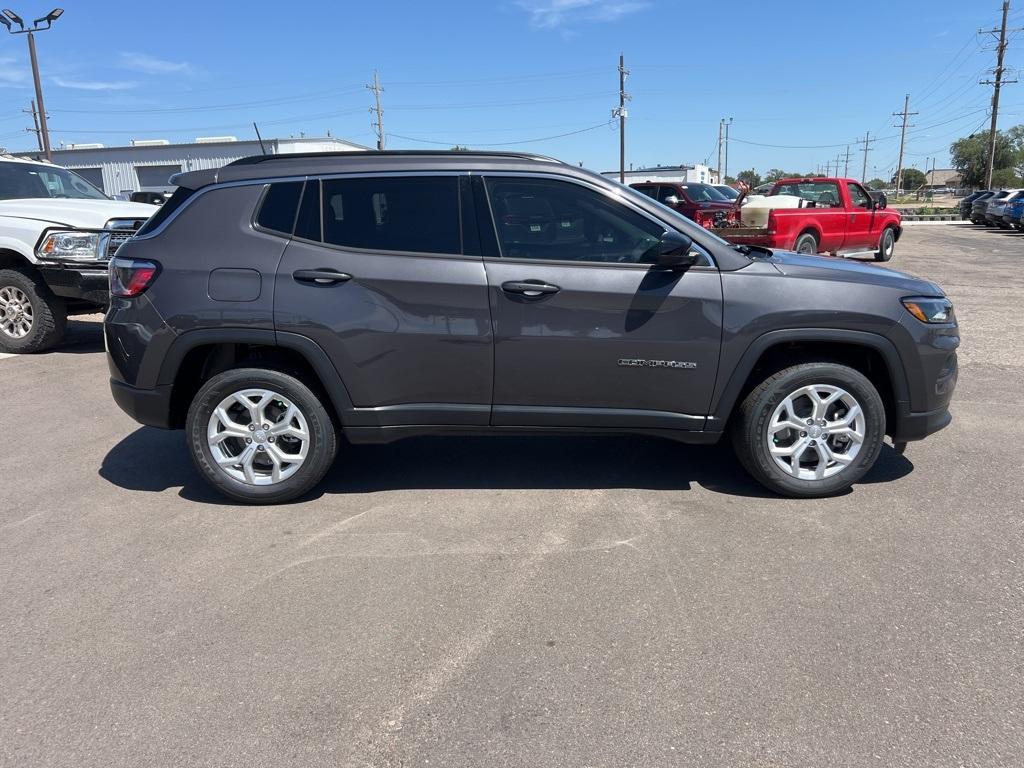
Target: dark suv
[[279, 301]]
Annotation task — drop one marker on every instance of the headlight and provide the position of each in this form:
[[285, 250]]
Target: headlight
[[81, 246], [930, 310]]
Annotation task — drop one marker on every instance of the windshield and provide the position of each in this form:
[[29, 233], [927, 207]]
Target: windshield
[[727, 192], [19, 181], [703, 193]]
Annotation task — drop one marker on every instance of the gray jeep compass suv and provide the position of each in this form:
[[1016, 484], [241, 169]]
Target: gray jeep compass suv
[[281, 300]]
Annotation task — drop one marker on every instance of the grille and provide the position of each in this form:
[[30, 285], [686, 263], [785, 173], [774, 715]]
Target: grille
[[114, 240], [120, 230]]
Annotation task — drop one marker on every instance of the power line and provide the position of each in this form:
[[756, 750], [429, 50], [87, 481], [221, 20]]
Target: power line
[[608, 123]]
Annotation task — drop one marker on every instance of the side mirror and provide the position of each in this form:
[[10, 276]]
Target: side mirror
[[671, 200], [675, 252]]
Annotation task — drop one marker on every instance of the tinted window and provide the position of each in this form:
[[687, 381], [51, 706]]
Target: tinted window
[[181, 194], [280, 203], [393, 214], [308, 223], [547, 219], [649, 191], [664, 193]]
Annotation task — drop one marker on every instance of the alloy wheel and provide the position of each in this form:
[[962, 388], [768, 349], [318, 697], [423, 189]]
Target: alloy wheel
[[816, 432], [16, 313], [258, 437]]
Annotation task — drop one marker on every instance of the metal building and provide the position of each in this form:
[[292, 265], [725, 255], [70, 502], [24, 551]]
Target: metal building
[[147, 165]]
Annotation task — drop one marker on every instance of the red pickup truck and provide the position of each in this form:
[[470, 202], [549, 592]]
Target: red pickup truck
[[840, 218]]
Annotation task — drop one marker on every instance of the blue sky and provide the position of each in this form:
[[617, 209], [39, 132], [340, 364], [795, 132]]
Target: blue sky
[[808, 76]]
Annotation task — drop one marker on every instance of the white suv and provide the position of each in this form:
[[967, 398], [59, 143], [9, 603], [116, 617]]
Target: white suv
[[57, 233]]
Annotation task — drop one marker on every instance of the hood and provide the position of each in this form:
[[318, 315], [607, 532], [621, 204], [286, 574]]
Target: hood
[[847, 271], [83, 214]]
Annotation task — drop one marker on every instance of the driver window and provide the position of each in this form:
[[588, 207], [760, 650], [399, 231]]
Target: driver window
[[858, 197], [561, 221], [664, 193]]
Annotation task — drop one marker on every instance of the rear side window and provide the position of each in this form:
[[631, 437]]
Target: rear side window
[[416, 213], [280, 203], [181, 194]]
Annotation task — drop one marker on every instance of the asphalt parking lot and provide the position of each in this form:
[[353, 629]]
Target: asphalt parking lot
[[518, 601]]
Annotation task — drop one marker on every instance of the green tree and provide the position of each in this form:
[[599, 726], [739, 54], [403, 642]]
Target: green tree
[[912, 179], [877, 184], [969, 155], [750, 177]]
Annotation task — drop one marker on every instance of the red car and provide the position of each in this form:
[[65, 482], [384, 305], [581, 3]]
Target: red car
[[840, 218], [699, 202]]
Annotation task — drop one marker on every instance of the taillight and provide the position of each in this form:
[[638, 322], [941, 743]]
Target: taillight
[[771, 222], [130, 277]]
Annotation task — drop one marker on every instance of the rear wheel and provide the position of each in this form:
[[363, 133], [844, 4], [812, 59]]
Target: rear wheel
[[806, 243], [260, 436], [31, 317], [810, 430], [886, 245]]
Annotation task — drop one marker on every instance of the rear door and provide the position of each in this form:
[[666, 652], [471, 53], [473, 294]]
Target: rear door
[[587, 333], [376, 275]]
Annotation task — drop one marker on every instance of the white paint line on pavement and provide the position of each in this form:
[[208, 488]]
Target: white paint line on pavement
[[6, 354]]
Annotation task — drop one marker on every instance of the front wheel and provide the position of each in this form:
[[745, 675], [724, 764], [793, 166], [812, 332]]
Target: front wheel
[[886, 245], [260, 436], [31, 317], [810, 430]]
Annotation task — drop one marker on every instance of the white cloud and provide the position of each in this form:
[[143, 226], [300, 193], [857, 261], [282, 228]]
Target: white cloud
[[94, 85], [13, 73], [151, 65], [552, 14]]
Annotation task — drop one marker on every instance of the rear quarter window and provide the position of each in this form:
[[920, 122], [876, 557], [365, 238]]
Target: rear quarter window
[[181, 194], [279, 206]]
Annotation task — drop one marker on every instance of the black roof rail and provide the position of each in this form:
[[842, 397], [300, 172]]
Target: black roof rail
[[255, 159]]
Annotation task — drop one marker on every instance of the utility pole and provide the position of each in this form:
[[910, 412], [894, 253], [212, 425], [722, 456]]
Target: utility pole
[[866, 141], [903, 138], [846, 166], [622, 114], [727, 124], [718, 168], [35, 125], [996, 84], [41, 24], [379, 125]]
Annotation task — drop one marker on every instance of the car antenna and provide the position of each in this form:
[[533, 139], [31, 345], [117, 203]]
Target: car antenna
[[256, 128]]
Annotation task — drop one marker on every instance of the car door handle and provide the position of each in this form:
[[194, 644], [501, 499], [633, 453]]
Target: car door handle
[[321, 276], [531, 288]]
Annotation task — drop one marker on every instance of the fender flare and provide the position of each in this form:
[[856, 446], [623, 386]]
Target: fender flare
[[725, 399], [310, 351]]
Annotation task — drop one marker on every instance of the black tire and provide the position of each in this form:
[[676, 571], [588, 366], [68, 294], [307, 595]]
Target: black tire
[[49, 314], [807, 244], [751, 422], [886, 245], [323, 441]]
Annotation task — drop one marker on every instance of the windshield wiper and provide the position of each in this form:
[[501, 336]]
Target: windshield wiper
[[748, 250]]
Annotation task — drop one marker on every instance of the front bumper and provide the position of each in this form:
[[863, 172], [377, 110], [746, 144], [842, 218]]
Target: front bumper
[[88, 283], [151, 407], [917, 426]]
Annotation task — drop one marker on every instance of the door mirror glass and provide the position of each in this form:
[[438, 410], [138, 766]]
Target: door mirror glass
[[675, 251]]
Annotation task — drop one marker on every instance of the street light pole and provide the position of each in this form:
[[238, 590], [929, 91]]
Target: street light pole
[[44, 131], [10, 16]]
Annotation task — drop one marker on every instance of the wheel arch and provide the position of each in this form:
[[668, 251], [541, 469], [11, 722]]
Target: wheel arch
[[12, 258], [873, 355], [195, 356]]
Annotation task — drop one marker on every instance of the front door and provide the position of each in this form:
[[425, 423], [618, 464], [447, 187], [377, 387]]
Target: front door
[[377, 277], [862, 233], [587, 333]]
